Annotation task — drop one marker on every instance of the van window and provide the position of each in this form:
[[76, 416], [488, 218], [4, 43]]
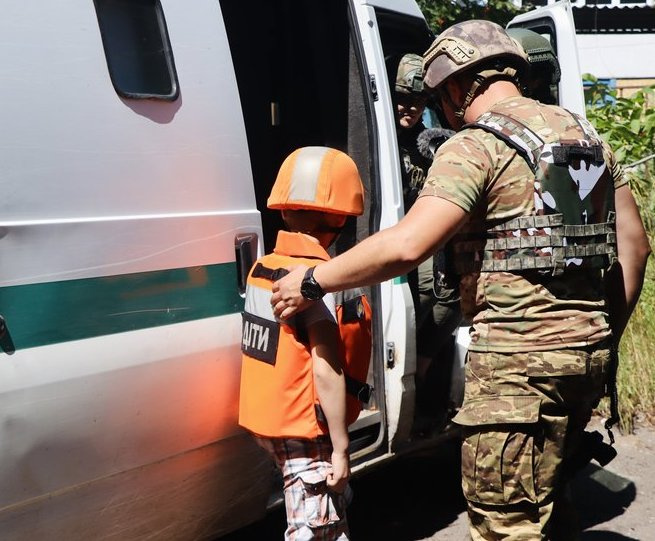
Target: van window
[[137, 48]]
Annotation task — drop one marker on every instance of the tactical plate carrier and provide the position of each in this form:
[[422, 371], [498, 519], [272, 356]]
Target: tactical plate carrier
[[573, 222]]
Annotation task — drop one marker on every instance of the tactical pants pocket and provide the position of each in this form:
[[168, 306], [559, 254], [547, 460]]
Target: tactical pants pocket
[[499, 451]]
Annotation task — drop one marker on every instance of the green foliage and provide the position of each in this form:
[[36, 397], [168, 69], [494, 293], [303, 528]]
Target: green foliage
[[441, 14], [628, 125]]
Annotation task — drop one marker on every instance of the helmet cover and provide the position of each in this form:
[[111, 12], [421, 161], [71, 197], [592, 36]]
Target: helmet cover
[[318, 178]]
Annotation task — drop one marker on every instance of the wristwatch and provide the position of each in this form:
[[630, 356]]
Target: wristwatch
[[309, 287]]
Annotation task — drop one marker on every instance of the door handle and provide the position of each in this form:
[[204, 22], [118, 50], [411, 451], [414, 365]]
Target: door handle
[[6, 343], [245, 247]]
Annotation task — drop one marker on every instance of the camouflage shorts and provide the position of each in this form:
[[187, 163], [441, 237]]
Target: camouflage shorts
[[523, 415]]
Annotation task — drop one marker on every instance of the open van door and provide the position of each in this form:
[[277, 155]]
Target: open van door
[[387, 29], [555, 22]]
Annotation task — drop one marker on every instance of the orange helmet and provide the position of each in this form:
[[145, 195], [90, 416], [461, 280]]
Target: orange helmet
[[318, 178]]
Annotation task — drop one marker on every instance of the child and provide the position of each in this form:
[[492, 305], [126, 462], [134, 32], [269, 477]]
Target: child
[[302, 380]]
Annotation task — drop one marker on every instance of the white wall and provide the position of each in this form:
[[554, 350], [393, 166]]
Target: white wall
[[617, 56]]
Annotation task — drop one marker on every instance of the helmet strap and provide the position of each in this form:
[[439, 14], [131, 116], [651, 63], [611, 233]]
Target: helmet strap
[[480, 79]]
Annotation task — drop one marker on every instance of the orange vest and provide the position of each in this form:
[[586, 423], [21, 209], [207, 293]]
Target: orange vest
[[278, 397]]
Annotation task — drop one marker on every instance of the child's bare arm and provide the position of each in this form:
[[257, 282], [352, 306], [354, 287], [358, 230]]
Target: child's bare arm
[[331, 388]]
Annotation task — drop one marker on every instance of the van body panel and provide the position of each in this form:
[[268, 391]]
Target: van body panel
[[109, 429], [119, 286], [78, 249], [87, 167], [53, 312]]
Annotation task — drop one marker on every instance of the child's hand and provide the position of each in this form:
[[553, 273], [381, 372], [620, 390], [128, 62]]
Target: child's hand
[[338, 476]]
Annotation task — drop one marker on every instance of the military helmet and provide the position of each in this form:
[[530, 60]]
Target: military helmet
[[318, 178], [539, 50], [466, 45], [409, 75]]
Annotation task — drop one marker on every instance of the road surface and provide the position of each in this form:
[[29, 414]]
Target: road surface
[[419, 498]]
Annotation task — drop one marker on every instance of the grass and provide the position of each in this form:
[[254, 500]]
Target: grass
[[636, 375]]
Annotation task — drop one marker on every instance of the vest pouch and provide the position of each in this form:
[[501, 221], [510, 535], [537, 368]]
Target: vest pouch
[[354, 317]]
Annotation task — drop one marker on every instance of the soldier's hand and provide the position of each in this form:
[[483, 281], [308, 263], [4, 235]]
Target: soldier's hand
[[287, 299]]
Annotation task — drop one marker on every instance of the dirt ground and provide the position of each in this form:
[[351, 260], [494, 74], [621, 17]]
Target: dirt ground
[[615, 503], [419, 498]]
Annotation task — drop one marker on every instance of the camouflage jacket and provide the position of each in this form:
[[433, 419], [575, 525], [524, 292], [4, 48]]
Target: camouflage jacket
[[488, 179]]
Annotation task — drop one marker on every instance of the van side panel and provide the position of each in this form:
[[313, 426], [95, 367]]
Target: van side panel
[[118, 283]]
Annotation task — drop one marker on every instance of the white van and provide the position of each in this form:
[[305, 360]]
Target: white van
[[139, 142]]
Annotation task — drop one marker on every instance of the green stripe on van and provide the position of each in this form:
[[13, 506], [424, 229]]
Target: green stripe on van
[[53, 312]]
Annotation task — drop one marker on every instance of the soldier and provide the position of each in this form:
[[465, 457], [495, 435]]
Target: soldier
[[541, 83], [541, 211], [410, 104]]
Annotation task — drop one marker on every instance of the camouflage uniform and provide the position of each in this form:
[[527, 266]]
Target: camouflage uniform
[[413, 165], [538, 358]]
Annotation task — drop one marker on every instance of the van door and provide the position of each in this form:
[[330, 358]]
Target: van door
[[555, 22], [388, 29], [303, 81]]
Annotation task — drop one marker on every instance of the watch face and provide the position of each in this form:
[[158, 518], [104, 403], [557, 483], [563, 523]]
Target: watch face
[[309, 291], [309, 287]]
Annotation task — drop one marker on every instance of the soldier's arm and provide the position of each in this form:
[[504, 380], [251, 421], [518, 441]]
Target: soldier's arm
[[330, 384], [454, 184], [389, 253], [624, 281]]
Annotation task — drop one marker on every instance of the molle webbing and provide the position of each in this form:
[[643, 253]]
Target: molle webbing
[[565, 153], [527, 143], [523, 249]]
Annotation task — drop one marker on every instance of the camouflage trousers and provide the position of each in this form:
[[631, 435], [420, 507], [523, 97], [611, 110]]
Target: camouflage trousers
[[524, 415]]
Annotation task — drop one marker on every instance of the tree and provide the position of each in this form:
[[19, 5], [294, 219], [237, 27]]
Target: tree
[[441, 14], [628, 125]]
